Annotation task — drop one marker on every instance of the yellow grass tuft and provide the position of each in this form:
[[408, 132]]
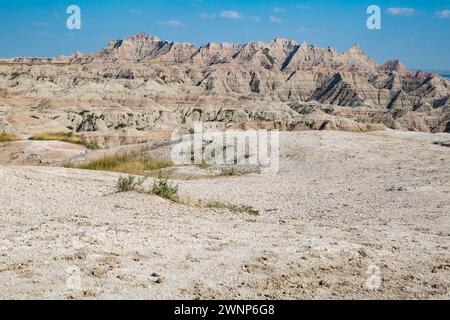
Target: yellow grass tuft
[[68, 137], [131, 163], [6, 137]]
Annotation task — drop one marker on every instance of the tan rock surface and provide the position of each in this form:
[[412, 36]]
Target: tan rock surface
[[342, 204], [28, 152]]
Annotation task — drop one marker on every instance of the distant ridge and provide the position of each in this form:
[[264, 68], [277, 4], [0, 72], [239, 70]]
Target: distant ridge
[[145, 71], [443, 73]]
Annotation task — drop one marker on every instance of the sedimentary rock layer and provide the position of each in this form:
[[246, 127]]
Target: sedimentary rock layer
[[152, 83]]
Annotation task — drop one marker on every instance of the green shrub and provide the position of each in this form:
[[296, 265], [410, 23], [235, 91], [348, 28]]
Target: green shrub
[[310, 123], [164, 189], [130, 183]]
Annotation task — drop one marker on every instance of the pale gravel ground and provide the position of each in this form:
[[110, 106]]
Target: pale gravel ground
[[344, 202]]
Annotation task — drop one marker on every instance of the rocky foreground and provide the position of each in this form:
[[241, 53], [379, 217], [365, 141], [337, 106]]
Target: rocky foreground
[[349, 216], [143, 84]]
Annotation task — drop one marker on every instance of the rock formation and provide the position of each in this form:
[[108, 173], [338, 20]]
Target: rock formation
[[143, 83]]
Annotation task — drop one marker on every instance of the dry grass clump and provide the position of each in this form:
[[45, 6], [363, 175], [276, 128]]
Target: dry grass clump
[[68, 137], [232, 207], [6, 137], [131, 163]]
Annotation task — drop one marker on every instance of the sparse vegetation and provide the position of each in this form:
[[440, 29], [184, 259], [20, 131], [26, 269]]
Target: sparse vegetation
[[60, 136], [90, 144], [130, 183], [82, 113], [228, 172], [15, 75], [131, 163], [120, 126], [68, 137], [232, 207], [310, 123], [161, 187], [7, 137]]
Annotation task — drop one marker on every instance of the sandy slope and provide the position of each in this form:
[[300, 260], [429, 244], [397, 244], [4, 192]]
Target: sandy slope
[[343, 208], [35, 152]]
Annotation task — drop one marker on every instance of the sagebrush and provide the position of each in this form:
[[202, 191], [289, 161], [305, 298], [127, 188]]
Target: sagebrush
[[163, 188]]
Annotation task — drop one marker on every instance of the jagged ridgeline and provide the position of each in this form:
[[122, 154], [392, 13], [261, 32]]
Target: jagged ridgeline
[[278, 84]]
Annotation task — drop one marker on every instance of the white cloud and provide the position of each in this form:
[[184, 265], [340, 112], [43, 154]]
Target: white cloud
[[227, 14], [275, 20], [170, 23], [444, 14], [279, 10], [231, 14], [401, 11]]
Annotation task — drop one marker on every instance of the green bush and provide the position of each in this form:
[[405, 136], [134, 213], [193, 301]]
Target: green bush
[[130, 183], [164, 189], [310, 123]]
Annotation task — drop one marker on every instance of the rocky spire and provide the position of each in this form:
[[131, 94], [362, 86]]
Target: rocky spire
[[355, 48]]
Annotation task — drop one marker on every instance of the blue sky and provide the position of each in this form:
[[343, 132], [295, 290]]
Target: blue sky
[[417, 31]]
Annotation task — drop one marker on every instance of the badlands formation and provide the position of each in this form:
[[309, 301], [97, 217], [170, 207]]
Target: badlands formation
[[359, 209], [143, 84]]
